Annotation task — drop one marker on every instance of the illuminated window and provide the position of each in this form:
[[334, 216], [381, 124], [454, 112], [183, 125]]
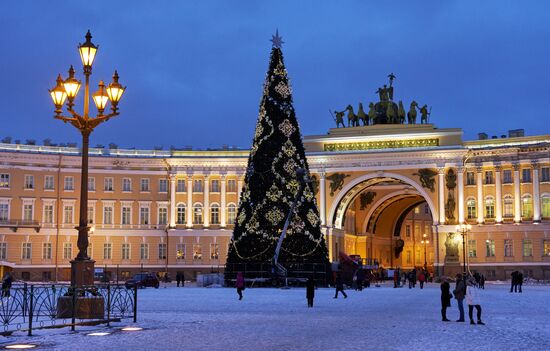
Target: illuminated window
[[527, 206], [231, 213], [181, 214], [214, 251], [197, 214], [508, 206], [197, 252], [489, 207], [546, 248], [180, 252], [527, 248], [4, 181], [215, 214], [471, 208], [472, 249], [545, 205], [490, 248]]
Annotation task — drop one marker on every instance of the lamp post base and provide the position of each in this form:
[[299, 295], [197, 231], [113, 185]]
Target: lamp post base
[[82, 273]]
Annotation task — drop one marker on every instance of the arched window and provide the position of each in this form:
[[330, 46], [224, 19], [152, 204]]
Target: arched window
[[508, 206], [489, 207], [180, 219], [197, 214], [527, 206], [231, 213], [471, 207], [545, 205], [215, 214]]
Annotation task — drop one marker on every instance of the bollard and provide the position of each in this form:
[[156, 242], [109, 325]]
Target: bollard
[[73, 310], [135, 303], [108, 304], [31, 310]]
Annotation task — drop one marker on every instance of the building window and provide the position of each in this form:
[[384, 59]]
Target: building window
[[197, 214], [107, 251], [232, 186], [508, 248], [489, 207], [197, 186], [144, 185], [67, 251], [545, 248], [507, 176], [470, 178], [29, 182], [144, 251], [125, 251], [527, 248], [46, 251], [144, 215], [68, 183], [4, 181], [216, 186], [91, 214], [409, 258], [126, 215], [28, 212], [526, 175], [108, 184], [508, 206], [91, 184], [426, 209], [214, 251], [181, 214], [489, 177], [107, 215], [215, 214], [180, 186], [180, 252], [162, 251], [545, 174], [4, 211], [527, 206], [26, 252], [545, 205], [417, 210], [48, 214], [68, 214], [163, 186], [471, 207], [197, 252], [4, 251], [231, 213], [472, 250], [490, 248], [162, 216], [126, 184], [48, 182]]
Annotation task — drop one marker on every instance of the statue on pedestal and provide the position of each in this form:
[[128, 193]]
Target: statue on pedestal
[[353, 121], [361, 115], [411, 115], [424, 114], [401, 113]]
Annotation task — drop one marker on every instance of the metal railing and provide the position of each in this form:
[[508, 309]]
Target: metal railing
[[26, 307]]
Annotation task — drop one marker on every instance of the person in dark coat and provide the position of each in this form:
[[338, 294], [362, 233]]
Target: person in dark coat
[[360, 279], [519, 282], [239, 283], [339, 286], [446, 297], [310, 291], [7, 280], [460, 292]]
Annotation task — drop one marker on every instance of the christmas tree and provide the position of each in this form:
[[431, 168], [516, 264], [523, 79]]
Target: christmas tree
[[271, 184]]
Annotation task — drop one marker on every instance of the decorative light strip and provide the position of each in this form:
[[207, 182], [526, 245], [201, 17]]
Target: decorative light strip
[[382, 144]]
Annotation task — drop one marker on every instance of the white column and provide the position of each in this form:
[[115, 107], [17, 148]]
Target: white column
[[172, 200], [206, 193], [441, 195], [536, 193], [480, 203], [189, 201], [239, 188], [460, 181], [517, 195], [498, 195], [322, 199], [222, 200]]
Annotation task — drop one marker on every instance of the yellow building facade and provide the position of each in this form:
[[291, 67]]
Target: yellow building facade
[[391, 194]]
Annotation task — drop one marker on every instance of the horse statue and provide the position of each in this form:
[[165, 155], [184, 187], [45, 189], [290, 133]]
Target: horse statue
[[353, 121], [401, 113], [362, 116], [411, 115], [372, 113], [391, 114]]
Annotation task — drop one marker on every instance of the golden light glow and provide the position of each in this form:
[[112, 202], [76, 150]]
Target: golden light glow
[[58, 93], [20, 346], [98, 334], [87, 51], [71, 84], [115, 89], [131, 329], [381, 144], [100, 97]]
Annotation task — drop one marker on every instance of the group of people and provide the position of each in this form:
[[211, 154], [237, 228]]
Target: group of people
[[466, 287], [413, 276], [180, 278], [517, 281]]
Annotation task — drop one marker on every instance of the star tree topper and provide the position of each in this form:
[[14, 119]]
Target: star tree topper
[[277, 40]]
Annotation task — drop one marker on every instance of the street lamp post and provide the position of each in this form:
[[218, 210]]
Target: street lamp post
[[464, 229], [425, 241], [82, 267]]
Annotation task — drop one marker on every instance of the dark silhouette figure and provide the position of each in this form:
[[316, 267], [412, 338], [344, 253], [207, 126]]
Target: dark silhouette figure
[[310, 291], [339, 286], [445, 299], [517, 281], [459, 292], [6, 284], [239, 283]]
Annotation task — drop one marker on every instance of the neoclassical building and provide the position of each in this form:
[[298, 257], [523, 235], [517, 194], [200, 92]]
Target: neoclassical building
[[393, 194]]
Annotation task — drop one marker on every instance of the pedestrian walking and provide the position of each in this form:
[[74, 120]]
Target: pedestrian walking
[[519, 282], [446, 297], [239, 283], [459, 292], [339, 286], [310, 291], [7, 280], [421, 279], [360, 279], [482, 282], [514, 282], [473, 300]]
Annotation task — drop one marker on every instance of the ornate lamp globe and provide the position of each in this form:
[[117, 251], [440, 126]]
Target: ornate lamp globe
[[87, 51], [58, 93], [100, 97], [115, 90], [71, 84]]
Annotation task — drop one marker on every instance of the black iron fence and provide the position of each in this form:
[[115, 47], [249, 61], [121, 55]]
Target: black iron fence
[[25, 307]]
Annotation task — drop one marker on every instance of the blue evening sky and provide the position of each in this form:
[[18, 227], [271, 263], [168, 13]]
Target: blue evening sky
[[194, 69]]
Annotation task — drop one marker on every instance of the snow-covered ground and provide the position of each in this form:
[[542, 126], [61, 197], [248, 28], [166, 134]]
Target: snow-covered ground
[[271, 319]]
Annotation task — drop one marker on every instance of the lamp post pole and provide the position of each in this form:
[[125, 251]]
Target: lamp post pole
[[425, 241], [82, 267], [463, 229]]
